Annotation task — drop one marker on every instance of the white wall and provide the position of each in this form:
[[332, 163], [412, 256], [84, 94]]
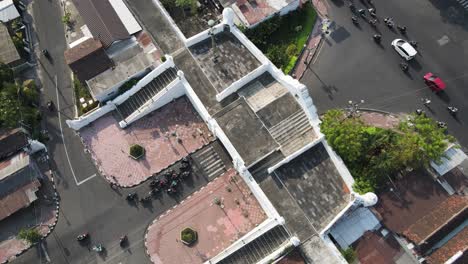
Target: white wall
[[84, 120], [172, 91]]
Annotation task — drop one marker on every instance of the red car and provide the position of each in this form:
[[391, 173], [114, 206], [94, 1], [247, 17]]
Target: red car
[[434, 82]]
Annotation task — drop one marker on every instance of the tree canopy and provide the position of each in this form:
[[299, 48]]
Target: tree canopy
[[373, 154]]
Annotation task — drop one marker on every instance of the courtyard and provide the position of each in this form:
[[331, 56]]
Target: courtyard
[[220, 213], [167, 135]]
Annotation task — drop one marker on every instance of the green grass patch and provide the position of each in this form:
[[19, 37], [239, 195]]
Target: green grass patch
[[82, 91], [282, 38]]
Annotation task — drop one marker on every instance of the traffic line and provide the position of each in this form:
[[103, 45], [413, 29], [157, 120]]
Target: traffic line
[[45, 252], [87, 179], [61, 130]]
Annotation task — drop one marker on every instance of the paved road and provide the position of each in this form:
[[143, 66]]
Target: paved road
[[350, 66], [88, 204]]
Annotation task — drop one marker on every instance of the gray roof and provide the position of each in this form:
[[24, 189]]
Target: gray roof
[[102, 20], [17, 180], [8, 52], [11, 141]]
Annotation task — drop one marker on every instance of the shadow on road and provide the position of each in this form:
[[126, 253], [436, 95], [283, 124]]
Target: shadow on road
[[451, 12], [415, 65]]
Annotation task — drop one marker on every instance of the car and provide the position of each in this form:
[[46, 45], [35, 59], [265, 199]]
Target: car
[[404, 49], [434, 82]]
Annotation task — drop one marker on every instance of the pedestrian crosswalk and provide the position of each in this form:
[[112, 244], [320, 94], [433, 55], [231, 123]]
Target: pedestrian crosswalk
[[463, 3]]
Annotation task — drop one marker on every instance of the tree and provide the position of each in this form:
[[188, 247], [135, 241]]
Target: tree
[[31, 235], [6, 74], [277, 55], [345, 135]]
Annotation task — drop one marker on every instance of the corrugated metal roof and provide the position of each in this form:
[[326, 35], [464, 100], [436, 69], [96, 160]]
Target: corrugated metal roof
[[8, 11], [102, 20], [352, 227], [454, 157], [126, 16]]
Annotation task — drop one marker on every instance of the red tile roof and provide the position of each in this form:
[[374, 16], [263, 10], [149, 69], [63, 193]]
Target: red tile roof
[[372, 248], [88, 59], [440, 216], [17, 200], [454, 245], [415, 195]]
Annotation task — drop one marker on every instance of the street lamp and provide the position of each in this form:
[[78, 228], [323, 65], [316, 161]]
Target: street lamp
[[353, 107]]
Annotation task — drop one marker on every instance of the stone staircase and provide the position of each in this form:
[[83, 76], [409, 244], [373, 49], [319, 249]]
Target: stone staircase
[[463, 3], [259, 248], [134, 102], [293, 132], [209, 162], [260, 170]]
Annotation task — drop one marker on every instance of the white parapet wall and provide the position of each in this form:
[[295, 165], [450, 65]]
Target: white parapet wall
[[261, 229], [173, 91], [241, 82], [86, 119]]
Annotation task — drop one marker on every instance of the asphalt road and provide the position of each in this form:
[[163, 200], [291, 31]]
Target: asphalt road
[[88, 204], [350, 66]]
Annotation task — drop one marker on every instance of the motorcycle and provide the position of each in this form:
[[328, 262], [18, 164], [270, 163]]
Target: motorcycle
[[404, 66], [82, 237], [355, 20], [389, 22], [123, 240], [453, 110], [131, 196], [441, 124], [362, 12], [50, 105], [98, 248], [402, 29], [377, 38]]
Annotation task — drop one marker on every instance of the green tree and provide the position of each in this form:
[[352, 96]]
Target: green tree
[[349, 254], [277, 55], [31, 235], [345, 135], [6, 74]]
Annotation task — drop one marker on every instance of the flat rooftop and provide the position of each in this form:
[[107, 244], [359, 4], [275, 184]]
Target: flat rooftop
[[315, 184], [228, 62], [245, 131], [8, 52], [133, 62], [217, 227], [167, 134], [271, 117]]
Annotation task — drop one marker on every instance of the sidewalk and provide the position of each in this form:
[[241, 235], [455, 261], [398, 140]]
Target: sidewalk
[[313, 41]]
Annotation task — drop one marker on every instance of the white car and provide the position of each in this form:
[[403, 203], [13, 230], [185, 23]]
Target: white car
[[404, 49]]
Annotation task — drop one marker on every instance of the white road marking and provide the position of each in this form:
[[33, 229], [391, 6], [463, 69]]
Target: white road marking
[[87, 179], [45, 252], [61, 130]]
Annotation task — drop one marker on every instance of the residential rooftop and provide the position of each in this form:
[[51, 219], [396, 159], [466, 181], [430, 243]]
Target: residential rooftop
[[102, 20], [254, 12], [11, 141], [88, 59], [414, 196], [228, 62], [133, 62], [8, 52], [457, 244], [431, 225]]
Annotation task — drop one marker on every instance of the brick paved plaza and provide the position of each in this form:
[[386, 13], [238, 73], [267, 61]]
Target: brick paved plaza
[[217, 227], [167, 134]]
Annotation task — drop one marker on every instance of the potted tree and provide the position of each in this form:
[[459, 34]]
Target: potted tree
[[188, 236], [136, 151]]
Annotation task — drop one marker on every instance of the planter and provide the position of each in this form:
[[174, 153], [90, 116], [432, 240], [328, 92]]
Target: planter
[[188, 236], [136, 151]]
